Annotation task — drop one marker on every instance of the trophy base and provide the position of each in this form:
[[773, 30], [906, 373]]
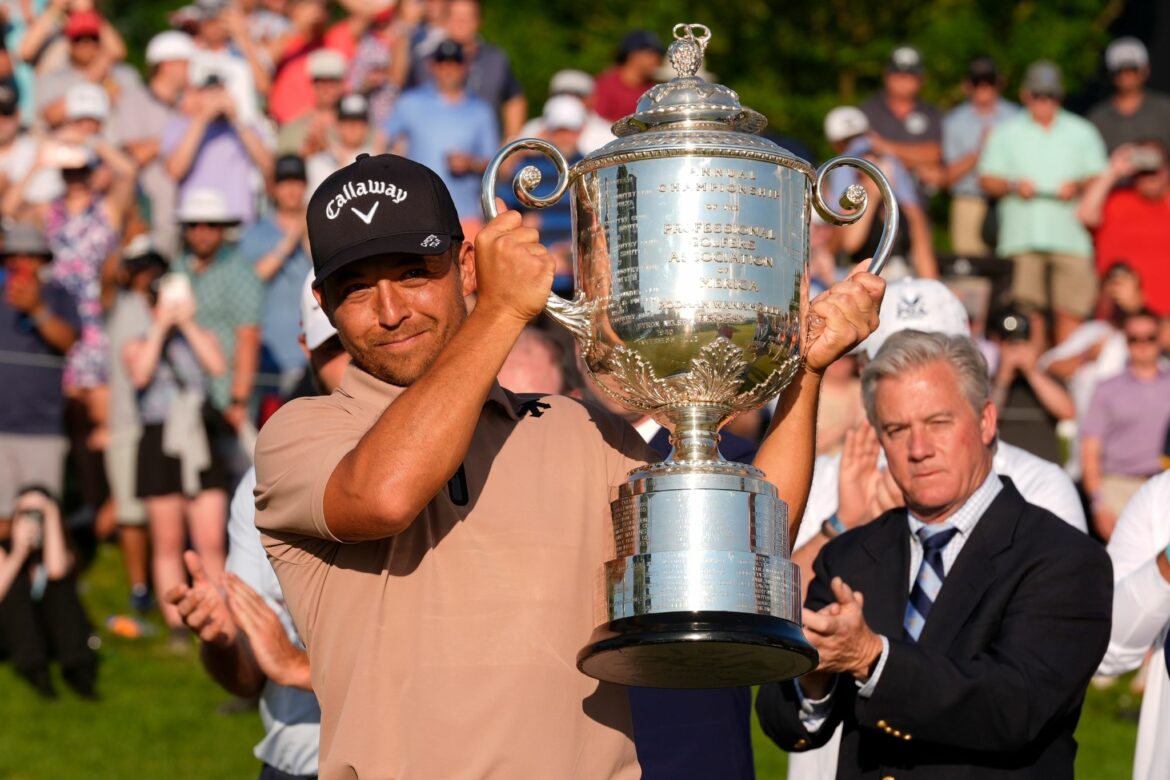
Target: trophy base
[[704, 649]]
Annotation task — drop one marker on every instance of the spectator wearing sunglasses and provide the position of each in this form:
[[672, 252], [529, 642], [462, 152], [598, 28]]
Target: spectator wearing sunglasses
[[1124, 430], [964, 132], [1132, 113]]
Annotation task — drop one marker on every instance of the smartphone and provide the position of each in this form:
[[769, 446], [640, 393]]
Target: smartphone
[[69, 156], [174, 289], [1143, 158], [38, 519]]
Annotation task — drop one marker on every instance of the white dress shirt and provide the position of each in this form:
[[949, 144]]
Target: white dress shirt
[[1141, 618]]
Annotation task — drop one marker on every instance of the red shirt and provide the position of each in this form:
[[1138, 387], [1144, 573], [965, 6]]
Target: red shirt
[[1137, 230], [613, 98], [291, 95]]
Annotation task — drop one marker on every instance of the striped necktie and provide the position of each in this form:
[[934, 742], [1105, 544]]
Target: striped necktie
[[929, 580]]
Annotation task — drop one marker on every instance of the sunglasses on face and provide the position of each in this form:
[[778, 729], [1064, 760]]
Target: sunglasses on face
[[983, 81], [86, 39], [204, 225], [1134, 338]]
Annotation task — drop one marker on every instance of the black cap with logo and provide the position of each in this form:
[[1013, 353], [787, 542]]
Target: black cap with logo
[[379, 205]]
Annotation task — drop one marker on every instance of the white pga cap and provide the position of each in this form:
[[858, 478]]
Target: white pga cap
[[1126, 52], [917, 304], [314, 324], [564, 112], [845, 122], [571, 82], [326, 64], [169, 46], [205, 205], [87, 101]]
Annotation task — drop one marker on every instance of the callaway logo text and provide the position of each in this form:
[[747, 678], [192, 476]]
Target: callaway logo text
[[350, 190]]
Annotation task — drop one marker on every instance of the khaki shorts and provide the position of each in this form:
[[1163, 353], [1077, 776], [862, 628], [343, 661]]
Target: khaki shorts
[[30, 459], [121, 465], [1047, 280], [1117, 490], [968, 213]]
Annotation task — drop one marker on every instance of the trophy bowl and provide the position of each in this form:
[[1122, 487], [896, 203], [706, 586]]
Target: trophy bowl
[[690, 255]]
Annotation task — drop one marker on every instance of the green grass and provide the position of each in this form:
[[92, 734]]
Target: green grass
[[158, 717]]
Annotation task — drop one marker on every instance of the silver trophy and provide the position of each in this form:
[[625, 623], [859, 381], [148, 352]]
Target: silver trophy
[[691, 243]]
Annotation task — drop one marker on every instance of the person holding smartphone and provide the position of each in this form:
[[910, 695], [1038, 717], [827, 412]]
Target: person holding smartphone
[[182, 482]]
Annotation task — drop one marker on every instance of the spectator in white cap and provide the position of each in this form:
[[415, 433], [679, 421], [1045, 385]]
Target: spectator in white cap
[[854, 487], [211, 145], [353, 135], [848, 130], [1132, 113], [230, 300], [249, 644], [575, 83], [87, 107], [138, 121], [314, 130]]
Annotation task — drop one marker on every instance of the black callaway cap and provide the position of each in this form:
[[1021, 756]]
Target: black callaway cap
[[379, 206]]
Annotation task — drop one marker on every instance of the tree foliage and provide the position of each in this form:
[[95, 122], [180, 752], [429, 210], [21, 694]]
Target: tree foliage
[[794, 61]]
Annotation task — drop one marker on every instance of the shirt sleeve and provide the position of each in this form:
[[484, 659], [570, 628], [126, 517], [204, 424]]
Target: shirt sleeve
[[396, 127], [171, 134], [487, 140], [866, 689], [296, 453], [1096, 158], [814, 712], [249, 297], [951, 142], [63, 305], [1096, 418], [1141, 596], [511, 87], [995, 159]]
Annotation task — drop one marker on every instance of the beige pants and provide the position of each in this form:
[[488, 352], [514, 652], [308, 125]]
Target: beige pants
[[967, 215], [121, 472], [27, 460], [1117, 490], [1048, 280]]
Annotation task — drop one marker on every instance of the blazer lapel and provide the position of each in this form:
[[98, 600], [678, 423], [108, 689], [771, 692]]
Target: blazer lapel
[[885, 583], [974, 570]]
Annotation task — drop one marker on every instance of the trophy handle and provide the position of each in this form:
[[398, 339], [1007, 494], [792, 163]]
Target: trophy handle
[[855, 197], [571, 314]]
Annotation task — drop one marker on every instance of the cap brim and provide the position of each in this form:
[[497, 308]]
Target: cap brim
[[401, 244]]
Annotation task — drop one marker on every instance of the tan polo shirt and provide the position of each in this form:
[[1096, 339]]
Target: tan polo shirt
[[449, 651]]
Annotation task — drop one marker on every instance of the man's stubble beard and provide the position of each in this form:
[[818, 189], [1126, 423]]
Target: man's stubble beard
[[397, 373]]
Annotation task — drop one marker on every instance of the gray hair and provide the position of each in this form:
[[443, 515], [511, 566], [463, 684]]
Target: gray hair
[[910, 349]]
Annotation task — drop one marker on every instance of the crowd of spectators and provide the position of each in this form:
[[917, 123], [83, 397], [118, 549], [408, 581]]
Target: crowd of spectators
[[155, 251]]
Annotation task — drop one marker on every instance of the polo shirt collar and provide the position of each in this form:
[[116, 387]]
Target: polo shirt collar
[[366, 388]]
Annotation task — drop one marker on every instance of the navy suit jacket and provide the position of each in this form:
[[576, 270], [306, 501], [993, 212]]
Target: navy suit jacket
[[695, 733], [994, 685]]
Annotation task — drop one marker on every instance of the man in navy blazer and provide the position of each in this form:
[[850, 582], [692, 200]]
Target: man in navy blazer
[[956, 635]]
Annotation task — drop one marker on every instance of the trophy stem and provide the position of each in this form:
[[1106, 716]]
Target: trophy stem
[[696, 432]]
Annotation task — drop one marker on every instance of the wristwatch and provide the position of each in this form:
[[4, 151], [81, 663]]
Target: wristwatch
[[832, 527]]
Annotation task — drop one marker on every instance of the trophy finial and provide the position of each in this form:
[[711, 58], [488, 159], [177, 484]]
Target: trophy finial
[[686, 53]]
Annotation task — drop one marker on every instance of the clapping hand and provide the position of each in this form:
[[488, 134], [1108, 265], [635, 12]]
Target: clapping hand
[[838, 631], [281, 661], [202, 606]]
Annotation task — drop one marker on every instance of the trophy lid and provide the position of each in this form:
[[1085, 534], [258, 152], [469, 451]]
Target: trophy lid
[[688, 97]]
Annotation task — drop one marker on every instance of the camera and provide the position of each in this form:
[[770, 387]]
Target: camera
[[37, 517], [1011, 325]]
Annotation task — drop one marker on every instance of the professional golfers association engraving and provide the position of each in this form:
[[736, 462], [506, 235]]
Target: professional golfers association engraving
[[691, 247]]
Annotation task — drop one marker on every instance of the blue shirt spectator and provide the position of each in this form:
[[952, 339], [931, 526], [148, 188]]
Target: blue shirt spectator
[[431, 127], [964, 130], [280, 324]]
